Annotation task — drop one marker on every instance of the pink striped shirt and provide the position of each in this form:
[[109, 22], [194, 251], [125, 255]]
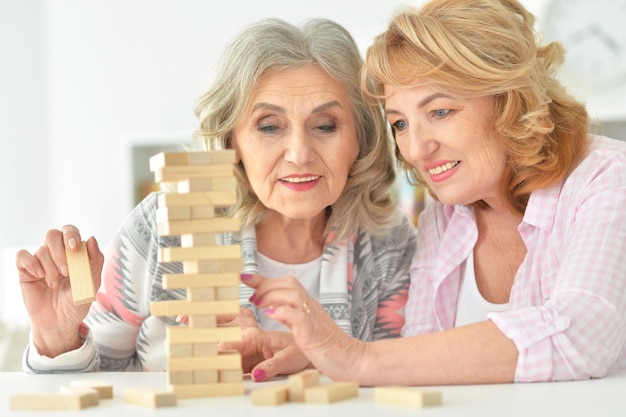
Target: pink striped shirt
[[567, 308]]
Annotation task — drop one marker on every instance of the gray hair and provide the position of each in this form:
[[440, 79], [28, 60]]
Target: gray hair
[[271, 45]]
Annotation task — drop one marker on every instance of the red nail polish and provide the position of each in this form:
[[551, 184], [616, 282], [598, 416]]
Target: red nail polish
[[258, 375], [245, 276]]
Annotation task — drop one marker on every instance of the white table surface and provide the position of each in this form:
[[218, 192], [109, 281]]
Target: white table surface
[[604, 397]]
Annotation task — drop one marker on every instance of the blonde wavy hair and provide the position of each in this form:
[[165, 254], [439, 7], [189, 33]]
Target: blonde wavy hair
[[271, 45], [488, 48]]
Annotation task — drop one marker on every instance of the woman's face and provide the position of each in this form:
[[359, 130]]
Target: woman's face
[[297, 141], [450, 140]]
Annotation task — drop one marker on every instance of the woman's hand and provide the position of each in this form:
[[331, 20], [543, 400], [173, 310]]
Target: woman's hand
[[46, 291], [329, 349], [265, 354]]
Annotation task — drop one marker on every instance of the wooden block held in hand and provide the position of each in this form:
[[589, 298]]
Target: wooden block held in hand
[[330, 393], [149, 397], [272, 395], [83, 290], [300, 381], [407, 397]]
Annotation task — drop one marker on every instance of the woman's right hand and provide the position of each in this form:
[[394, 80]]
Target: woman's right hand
[[54, 317]]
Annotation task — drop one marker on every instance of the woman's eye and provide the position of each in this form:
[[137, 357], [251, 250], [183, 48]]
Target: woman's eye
[[267, 128], [399, 125], [441, 112], [328, 127]]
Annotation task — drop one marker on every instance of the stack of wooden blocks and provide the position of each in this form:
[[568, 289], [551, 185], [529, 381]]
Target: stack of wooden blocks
[[200, 183]]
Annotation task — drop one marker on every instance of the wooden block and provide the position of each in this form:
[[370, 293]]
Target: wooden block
[[215, 266], [177, 307], [179, 377], [200, 294], [50, 401], [230, 375], [93, 395], [204, 349], [149, 397], [220, 389], [105, 391], [330, 393], [300, 381], [270, 396], [206, 377], [218, 279], [227, 293], [163, 159], [183, 335], [165, 214], [205, 363], [199, 253], [83, 290], [199, 239], [407, 397], [194, 185], [202, 322], [181, 227], [180, 350], [182, 172], [204, 198]]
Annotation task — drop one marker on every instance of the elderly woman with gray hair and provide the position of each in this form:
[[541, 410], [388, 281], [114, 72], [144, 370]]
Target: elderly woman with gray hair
[[315, 170]]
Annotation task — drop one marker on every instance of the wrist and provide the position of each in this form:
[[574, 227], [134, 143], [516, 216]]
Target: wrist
[[54, 342]]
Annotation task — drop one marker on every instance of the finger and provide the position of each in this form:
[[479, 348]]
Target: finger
[[287, 361], [28, 266], [71, 236], [51, 270], [96, 260], [225, 318], [56, 249]]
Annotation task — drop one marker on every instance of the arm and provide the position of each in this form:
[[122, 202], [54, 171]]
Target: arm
[[478, 353], [54, 318]]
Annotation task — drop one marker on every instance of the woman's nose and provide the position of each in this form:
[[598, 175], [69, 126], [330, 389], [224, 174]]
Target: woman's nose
[[299, 147]]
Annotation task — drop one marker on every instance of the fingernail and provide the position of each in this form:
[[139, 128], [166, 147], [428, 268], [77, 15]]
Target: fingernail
[[64, 271], [258, 375], [252, 298], [245, 276], [270, 311], [71, 243]]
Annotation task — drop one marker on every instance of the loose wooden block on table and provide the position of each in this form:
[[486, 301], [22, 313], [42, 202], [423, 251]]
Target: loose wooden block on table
[[83, 290], [105, 391], [407, 397], [269, 396], [93, 394], [300, 381], [50, 401], [330, 393], [149, 397]]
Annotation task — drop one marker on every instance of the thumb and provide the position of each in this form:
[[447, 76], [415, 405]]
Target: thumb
[[287, 361]]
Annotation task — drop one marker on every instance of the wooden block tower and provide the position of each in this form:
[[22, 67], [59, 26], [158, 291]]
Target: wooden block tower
[[201, 182]]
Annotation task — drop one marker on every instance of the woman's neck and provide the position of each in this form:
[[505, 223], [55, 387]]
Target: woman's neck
[[291, 241]]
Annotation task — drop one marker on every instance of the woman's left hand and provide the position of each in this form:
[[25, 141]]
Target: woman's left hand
[[329, 349]]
